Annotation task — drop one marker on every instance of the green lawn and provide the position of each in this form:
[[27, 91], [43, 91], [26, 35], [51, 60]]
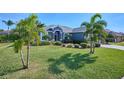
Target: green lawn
[[3, 44], [120, 43], [58, 62]]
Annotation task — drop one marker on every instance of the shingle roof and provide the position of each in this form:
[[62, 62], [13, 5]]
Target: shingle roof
[[114, 33], [79, 29], [5, 32], [66, 29]]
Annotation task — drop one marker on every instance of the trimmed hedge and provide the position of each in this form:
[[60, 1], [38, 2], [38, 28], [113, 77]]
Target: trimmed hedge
[[69, 45], [76, 41], [76, 46], [84, 45], [57, 43], [97, 45], [45, 43], [63, 45]]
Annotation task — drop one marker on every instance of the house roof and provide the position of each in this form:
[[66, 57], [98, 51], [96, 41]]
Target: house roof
[[79, 29], [66, 29], [114, 33], [5, 32]]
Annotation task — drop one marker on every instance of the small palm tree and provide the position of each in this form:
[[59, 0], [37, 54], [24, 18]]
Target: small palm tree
[[19, 31], [28, 32], [18, 48], [93, 29]]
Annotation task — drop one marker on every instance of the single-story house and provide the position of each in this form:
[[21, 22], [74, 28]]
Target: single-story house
[[116, 36], [59, 33]]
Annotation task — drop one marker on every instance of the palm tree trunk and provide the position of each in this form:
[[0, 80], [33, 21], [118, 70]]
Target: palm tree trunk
[[22, 58], [93, 48], [91, 44], [8, 35], [28, 54]]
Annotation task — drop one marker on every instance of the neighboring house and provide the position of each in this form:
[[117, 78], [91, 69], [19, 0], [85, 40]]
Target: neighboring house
[[58, 33], [5, 32], [116, 36]]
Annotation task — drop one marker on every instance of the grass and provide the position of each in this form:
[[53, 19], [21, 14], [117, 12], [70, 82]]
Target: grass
[[120, 43], [57, 62], [4, 44]]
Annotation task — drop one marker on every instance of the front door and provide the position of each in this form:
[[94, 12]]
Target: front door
[[57, 36]]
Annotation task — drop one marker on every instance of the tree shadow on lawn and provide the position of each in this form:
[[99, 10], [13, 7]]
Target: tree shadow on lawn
[[10, 71], [70, 61]]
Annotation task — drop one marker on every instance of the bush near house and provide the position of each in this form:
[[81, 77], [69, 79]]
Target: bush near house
[[67, 41], [8, 38], [84, 45], [69, 45], [45, 43], [57, 43], [46, 37], [3, 38], [63, 45], [97, 45], [77, 41], [77, 46]]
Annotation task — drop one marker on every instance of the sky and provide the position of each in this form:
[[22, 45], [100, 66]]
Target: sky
[[115, 21]]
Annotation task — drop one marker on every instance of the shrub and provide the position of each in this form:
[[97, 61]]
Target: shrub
[[52, 42], [3, 38], [97, 45], [63, 45], [67, 41], [58, 43], [45, 37], [45, 43], [77, 41], [84, 45], [88, 45], [85, 41], [33, 44], [77, 46], [69, 45]]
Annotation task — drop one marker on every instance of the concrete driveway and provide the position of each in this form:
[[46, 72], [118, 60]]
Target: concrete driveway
[[113, 46]]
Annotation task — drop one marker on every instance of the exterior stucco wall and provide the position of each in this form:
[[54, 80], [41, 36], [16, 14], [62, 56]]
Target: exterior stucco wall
[[77, 36]]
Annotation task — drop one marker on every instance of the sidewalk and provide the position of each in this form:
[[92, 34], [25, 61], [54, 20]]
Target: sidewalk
[[113, 46]]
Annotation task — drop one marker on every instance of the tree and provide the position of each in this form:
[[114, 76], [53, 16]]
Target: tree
[[20, 31], [8, 23], [93, 29], [28, 32]]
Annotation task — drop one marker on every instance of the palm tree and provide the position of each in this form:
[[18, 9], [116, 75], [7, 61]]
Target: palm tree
[[19, 31], [28, 30], [93, 28], [18, 48], [8, 23], [32, 33]]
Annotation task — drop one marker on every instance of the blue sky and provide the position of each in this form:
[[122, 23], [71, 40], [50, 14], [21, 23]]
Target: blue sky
[[115, 20]]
